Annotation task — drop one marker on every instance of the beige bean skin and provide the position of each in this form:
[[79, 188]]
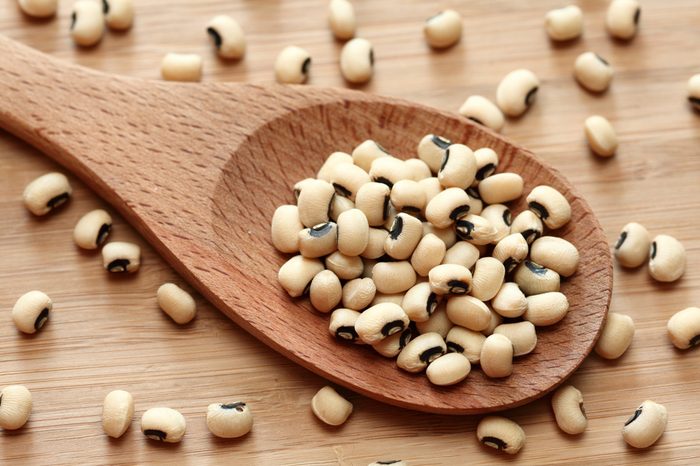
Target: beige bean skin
[[475, 229], [431, 150], [345, 267], [367, 152], [446, 207], [550, 205], [408, 196], [358, 293], [183, 67], [391, 346], [465, 341], [121, 257], [646, 425], [450, 279], [616, 336], [633, 244], [528, 225], [420, 352], [296, 274], [163, 424], [227, 36], [458, 167], [347, 179], [428, 254], [314, 202], [375, 243], [511, 250], [420, 302], [501, 433], [694, 91], [319, 240], [38, 8], [556, 254], [496, 320], [567, 404], [462, 253], [667, 260], [622, 18], [396, 298], [684, 328], [500, 217], [46, 193], [468, 312], [405, 234], [521, 334], [119, 14], [341, 18], [87, 23], [517, 91], [476, 204], [177, 303], [437, 323], [564, 24], [546, 308], [496, 358], [431, 186], [593, 72], [229, 420], [486, 163], [380, 321], [448, 369], [447, 235], [419, 169], [482, 111], [601, 136], [342, 325], [285, 229], [487, 278], [326, 291], [373, 199], [357, 61], [292, 65], [390, 217], [16, 406], [389, 170], [443, 30], [299, 185], [31, 311], [393, 277], [501, 188], [117, 413], [329, 407], [353, 232], [510, 301], [325, 173]]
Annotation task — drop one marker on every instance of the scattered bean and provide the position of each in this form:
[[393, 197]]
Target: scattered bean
[[450, 279], [448, 369], [476, 230], [601, 136], [117, 413], [501, 433], [546, 308], [646, 425], [486, 163], [468, 312], [353, 232], [347, 179], [482, 111], [593, 72], [487, 278], [390, 170], [393, 277], [667, 259], [496, 358], [119, 14], [373, 200], [92, 229], [521, 334], [341, 17], [46, 193], [227, 36], [163, 424], [622, 19], [511, 250], [185, 67], [380, 321], [517, 92], [510, 301], [446, 207], [408, 196], [345, 267], [465, 341], [632, 247], [404, 236], [358, 293], [119, 257], [564, 23], [177, 303], [501, 188], [528, 225], [458, 167], [38, 8], [314, 202], [229, 420], [421, 351], [443, 30], [357, 61], [431, 150], [292, 65], [567, 404], [318, 241], [556, 254], [420, 302], [325, 291], [87, 23], [16, 406], [550, 205], [684, 328], [616, 336], [296, 274], [330, 407], [342, 324], [31, 311]]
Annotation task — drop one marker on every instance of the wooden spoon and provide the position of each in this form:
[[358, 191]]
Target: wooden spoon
[[198, 170]]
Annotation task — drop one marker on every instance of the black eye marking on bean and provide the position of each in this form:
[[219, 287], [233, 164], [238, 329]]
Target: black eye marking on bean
[[410, 209], [476, 120], [102, 234], [507, 217], [459, 211], [406, 336], [539, 209], [530, 97], [536, 268], [510, 263], [441, 142], [428, 355], [371, 57], [379, 146], [118, 265], [321, 230], [330, 205], [342, 190], [396, 228], [41, 318], [485, 171], [238, 406], [445, 159], [583, 410], [392, 327], [636, 414], [637, 14], [155, 434], [105, 7], [347, 332], [495, 441], [653, 250], [385, 210], [621, 240], [453, 347], [531, 234], [73, 19], [57, 200], [305, 66], [694, 341], [458, 287], [215, 36], [432, 303], [388, 462], [473, 192], [464, 229], [383, 180], [603, 60], [0, 400], [695, 101]]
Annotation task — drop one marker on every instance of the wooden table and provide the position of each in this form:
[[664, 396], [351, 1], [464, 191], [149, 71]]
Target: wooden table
[[107, 332]]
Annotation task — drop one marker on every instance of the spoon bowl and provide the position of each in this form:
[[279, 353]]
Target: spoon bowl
[[198, 170]]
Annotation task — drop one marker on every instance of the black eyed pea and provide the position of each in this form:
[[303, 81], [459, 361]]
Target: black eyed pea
[[121, 257], [593, 72], [296, 274], [465, 341], [496, 358], [510, 301], [684, 328], [462, 253], [500, 433], [404, 236], [373, 199], [487, 278], [329, 407], [229, 420], [177, 303], [616, 336], [443, 30], [314, 202], [342, 325], [564, 24], [431, 186], [325, 291], [119, 14], [567, 404], [475, 229], [117, 413], [31, 311], [38, 8], [667, 259], [46, 193], [521, 334], [184, 67], [622, 18], [486, 163], [345, 267], [353, 232], [92, 229], [390, 170], [390, 347], [496, 320], [450, 279], [528, 224], [336, 158], [601, 136], [646, 425], [319, 240], [292, 65], [555, 253], [428, 254], [380, 321], [694, 91], [87, 23], [358, 293], [340, 204], [446, 235], [341, 18], [500, 217], [468, 312], [420, 302], [347, 179], [448, 369], [163, 424], [227, 36], [421, 351], [481, 110], [366, 153], [408, 196], [546, 308], [550, 205], [15, 406], [447, 206], [389, 462], [511, 250], [517, 91], [357, 61], [437, 323], [375, 244], [419, 169], [431, 150], [501, 188], [393, 277], [396, 298], [633, 244], [458, 167]]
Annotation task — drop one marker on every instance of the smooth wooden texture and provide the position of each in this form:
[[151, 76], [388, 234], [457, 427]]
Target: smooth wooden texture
[[111, 335], [201, 186]]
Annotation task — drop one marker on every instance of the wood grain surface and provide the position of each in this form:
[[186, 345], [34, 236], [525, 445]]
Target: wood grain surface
[[107, 333]]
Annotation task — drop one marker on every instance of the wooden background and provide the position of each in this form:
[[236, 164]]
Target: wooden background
[[107, 332]]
